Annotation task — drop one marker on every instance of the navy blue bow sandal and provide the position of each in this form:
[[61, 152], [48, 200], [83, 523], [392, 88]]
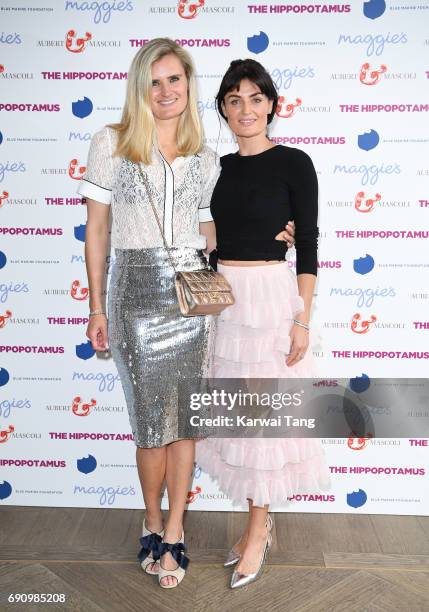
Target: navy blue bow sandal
[[149, 553], [177, 551]]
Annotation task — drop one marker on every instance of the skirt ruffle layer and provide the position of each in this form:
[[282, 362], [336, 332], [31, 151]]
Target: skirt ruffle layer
[[252, 341], [268, 471]]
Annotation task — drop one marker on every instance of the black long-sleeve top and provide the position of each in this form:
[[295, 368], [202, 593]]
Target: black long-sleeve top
[[256, 196]]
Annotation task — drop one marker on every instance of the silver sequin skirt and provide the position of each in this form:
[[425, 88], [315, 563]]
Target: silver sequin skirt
[[153, 345]]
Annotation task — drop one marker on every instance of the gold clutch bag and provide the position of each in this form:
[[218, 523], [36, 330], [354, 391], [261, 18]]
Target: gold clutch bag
[[199, 292], [202, 292]]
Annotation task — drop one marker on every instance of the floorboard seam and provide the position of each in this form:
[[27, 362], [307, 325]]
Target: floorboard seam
[[106, 562]]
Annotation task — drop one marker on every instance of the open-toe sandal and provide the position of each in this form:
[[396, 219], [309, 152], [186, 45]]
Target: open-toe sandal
[[177, 551], [149, 553]]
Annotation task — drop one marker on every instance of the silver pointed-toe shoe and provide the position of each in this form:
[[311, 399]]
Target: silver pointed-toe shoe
[[238, 579], [232, 558]]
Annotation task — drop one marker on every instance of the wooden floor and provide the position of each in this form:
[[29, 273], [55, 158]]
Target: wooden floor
[[318, 563]]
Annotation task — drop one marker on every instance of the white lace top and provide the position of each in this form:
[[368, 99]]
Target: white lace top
[[181, 193]]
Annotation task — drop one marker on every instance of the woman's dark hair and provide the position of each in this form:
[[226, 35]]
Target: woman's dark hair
[[253, 71]]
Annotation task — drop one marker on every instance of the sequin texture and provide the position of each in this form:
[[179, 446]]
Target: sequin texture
[[154, 347]]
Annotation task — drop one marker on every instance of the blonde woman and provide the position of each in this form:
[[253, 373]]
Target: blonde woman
[[160, 134]]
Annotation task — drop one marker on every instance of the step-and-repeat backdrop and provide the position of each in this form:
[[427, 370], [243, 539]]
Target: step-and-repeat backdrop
[[353, 81]]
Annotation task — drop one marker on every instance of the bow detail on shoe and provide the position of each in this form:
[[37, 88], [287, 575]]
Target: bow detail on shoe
[[177, 551], [150, 544]]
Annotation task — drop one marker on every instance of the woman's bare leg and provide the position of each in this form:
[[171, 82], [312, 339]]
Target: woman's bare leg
[[240, 545], [256, 539], [151, 466], [180, 461]]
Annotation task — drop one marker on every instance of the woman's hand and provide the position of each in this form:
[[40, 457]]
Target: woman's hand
[[288, 234], [97, 332], [96, 241], [299, 341], [208, 230]]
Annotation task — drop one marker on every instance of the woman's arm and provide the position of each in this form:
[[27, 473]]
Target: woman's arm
[[96, 240], [96, 187], [305, 211], [210, 170], [299, 336], [306, 283]]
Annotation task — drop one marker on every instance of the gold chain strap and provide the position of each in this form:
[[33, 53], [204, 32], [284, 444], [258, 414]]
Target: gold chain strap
[[146, 186]]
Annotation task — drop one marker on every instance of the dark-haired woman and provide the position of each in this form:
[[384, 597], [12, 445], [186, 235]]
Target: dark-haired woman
[[266, 333]]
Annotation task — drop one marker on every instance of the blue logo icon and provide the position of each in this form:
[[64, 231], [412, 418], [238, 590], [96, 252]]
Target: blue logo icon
[[374, 8], [359, 384], [363, 265], [3, 260], [86, 465], [85, 350], [4, 377], [79, 232], [1, 137], [5, 489], [357, 498], [82, 108], [258, 42], [368, 140]]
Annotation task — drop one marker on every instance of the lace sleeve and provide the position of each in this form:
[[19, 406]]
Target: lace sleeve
[[97, 181], [210, 171]]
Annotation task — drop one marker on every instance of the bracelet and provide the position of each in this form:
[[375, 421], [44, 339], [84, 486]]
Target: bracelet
[[93, 313], [300, 324]]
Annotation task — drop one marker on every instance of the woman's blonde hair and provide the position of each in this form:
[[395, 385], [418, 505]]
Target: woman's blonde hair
[[136, 131]]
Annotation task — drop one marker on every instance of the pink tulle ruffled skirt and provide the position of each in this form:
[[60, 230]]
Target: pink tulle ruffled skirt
[[251, 342]]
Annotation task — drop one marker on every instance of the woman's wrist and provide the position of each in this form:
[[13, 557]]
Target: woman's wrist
[[303, 317], [96, 302], [97, 312], [302, 325]]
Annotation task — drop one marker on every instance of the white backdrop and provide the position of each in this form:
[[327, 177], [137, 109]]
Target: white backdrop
[[353, 78]]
